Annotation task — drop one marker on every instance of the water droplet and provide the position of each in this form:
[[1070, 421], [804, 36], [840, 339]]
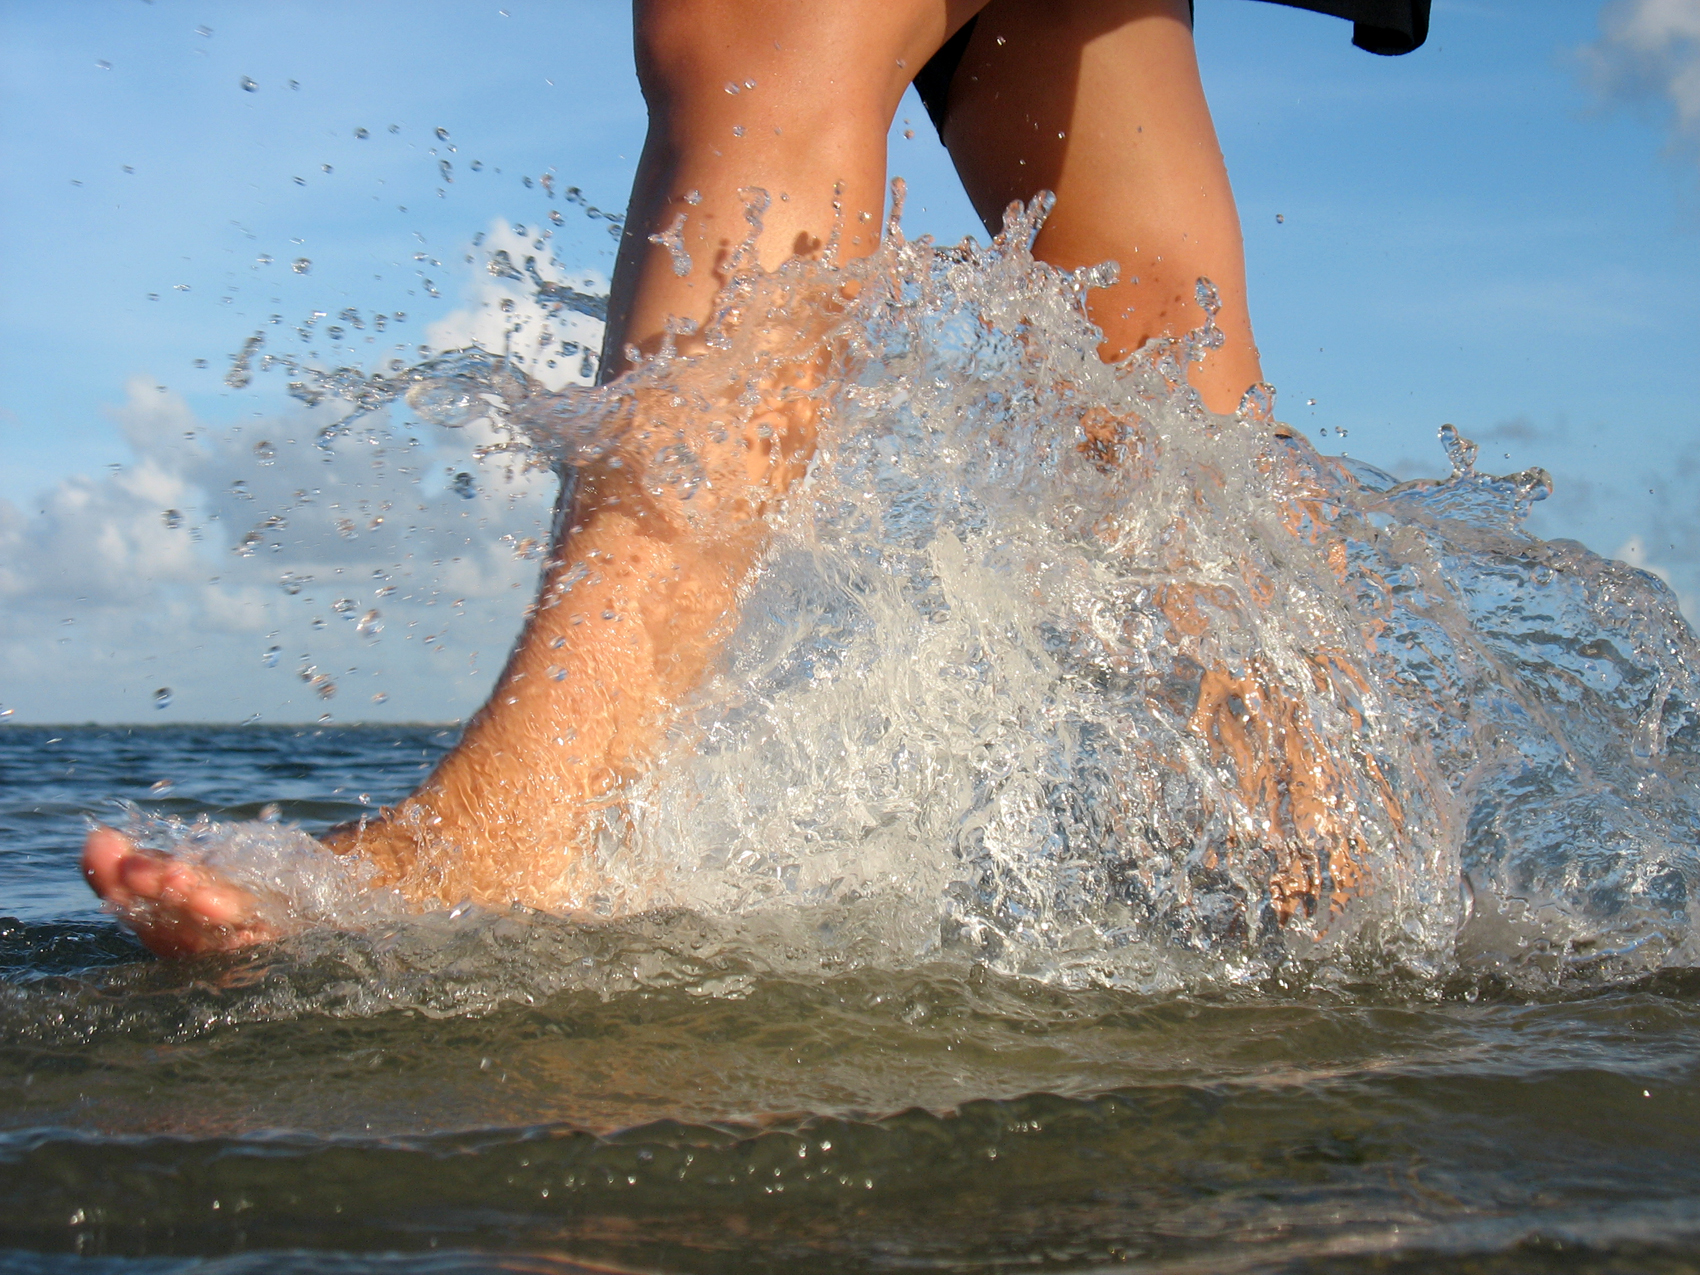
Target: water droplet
[[326, 168], [731, 87], [559, 674], [269, 656], [673, 239], [908, 134], [737, 130], [162, 697], [203, 31], [318, 622], [292, 584], [104, 65], [342, 606], [371, 624], [248, 86], [162, 787], [380, 698], [270, 812], [464, 486], [264, 452], [6, 712], [442, 134], [295, 84], [173, 519], [1279, 219], [324, 687], [749, 84], [301, 265]]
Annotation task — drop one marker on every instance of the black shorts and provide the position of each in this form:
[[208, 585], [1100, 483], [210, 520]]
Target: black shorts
[[1387, 27]]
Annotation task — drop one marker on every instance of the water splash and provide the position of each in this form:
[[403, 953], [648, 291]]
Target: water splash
[[1050, 668]]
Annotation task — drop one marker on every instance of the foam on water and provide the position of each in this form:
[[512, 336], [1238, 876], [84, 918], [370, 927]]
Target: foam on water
[[1048, 667]]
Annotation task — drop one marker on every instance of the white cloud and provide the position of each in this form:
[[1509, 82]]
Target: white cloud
[[531, 319], [212, 545], [184, 566], [1649, 50]]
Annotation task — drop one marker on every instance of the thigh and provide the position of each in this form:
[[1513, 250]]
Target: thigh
[[812, 60], [1100, 102], [790, 97]]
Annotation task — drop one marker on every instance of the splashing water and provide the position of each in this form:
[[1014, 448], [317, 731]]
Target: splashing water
[[1048, 667]]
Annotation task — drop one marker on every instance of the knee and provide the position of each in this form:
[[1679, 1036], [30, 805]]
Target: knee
[[688, 51]]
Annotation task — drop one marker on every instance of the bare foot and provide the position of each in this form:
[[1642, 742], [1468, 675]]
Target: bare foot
[[640, 591], [176, 909]]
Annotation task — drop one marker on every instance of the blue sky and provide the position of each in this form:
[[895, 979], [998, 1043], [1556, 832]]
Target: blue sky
[[1501, 230]]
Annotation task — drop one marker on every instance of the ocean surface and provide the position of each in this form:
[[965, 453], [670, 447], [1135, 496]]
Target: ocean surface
[[1116, 837], [425, 1102]]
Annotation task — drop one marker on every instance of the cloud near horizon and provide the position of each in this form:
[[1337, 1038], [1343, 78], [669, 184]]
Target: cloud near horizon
[[236, 565], [253, 571]]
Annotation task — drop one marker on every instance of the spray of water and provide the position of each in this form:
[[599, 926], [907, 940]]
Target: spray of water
[[1048, 667]]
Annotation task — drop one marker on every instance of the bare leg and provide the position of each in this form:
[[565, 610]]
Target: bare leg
[[639, 591], [1100, 102]]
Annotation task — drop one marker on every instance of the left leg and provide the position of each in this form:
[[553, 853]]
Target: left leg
[[640, 587]]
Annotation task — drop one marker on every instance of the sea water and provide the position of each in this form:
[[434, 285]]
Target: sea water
[[1116, 835]]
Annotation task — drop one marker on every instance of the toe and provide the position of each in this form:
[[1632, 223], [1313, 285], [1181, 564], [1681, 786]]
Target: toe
[[143, 875], [104, 853], [222, 906]]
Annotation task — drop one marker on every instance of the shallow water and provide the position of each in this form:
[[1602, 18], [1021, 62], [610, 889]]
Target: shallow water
[[1117, 837], [450, 1089]]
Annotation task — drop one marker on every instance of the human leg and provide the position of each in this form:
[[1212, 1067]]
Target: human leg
[[639, 589], [1100, 102]]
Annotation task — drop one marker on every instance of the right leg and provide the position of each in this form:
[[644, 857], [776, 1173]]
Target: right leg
[[1099, 101], [639, 589]]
